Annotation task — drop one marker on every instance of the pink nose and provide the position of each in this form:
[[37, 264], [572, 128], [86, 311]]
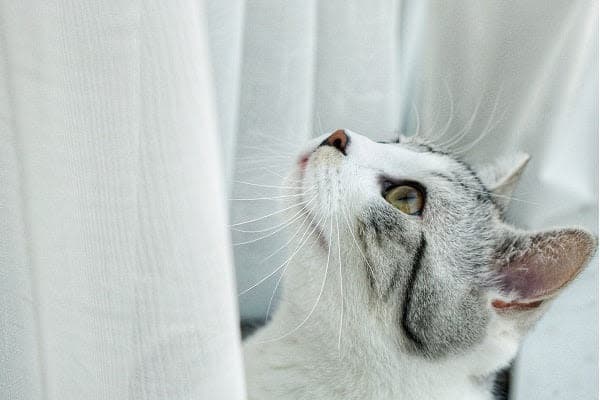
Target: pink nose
[[337, 139]]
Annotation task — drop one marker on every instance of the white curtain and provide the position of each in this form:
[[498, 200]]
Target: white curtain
[[116, 275], [116, 279]]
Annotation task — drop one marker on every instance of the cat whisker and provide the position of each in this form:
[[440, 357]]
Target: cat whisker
[[511, 198], [450, 117], [286, 243], [256, 172], [320, 291], [465, 129], [487, 126], [427, 134], [261, 156], [490, 130], [302, 242], [292, 218], [269, 186], [259, 160], [267, 236], [243, 169], [357, 246], [268, 312], [283, 196], [337, 223], [268, 215], [279, 176]]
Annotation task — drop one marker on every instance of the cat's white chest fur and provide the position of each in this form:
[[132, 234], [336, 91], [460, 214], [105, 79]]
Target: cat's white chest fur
[[309, 365], [284, 372]]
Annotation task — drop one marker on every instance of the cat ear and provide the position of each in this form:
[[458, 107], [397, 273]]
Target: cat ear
[[501, 178], [533, 267]]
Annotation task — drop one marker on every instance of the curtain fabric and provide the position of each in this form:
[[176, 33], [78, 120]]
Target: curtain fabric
[[116, 279], [124, 126]]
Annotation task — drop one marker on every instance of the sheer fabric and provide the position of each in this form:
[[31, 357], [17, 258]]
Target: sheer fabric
[[115, 267]]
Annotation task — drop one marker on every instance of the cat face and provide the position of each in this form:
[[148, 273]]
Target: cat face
[[424, 250]]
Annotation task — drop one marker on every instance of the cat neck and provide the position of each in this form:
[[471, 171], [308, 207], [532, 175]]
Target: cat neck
[[295, 354], [362, 367]]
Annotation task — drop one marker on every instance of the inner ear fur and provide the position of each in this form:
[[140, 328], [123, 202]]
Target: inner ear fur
[[530, 267]]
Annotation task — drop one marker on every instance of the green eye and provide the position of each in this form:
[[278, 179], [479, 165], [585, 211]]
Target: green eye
[[408, 199]]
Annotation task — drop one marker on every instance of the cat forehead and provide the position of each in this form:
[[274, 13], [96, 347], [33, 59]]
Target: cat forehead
[[415, 159]]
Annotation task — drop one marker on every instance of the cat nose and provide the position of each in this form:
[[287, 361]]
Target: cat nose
[[337, 139]]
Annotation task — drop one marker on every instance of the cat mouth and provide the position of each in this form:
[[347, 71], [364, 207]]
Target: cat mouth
[[303, 163], [314, 225]]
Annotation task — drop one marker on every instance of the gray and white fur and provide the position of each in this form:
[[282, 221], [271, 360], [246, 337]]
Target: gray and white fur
[[378, 304]]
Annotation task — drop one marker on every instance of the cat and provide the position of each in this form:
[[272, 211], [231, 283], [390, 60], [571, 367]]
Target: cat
[[406, 282]]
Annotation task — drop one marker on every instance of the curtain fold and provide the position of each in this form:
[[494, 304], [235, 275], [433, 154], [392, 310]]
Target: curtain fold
[[117, 280]]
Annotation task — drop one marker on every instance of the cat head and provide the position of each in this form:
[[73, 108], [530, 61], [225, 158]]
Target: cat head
[[423, 250]]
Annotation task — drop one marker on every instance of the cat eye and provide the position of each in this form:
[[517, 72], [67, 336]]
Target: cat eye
[[406, 198]]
